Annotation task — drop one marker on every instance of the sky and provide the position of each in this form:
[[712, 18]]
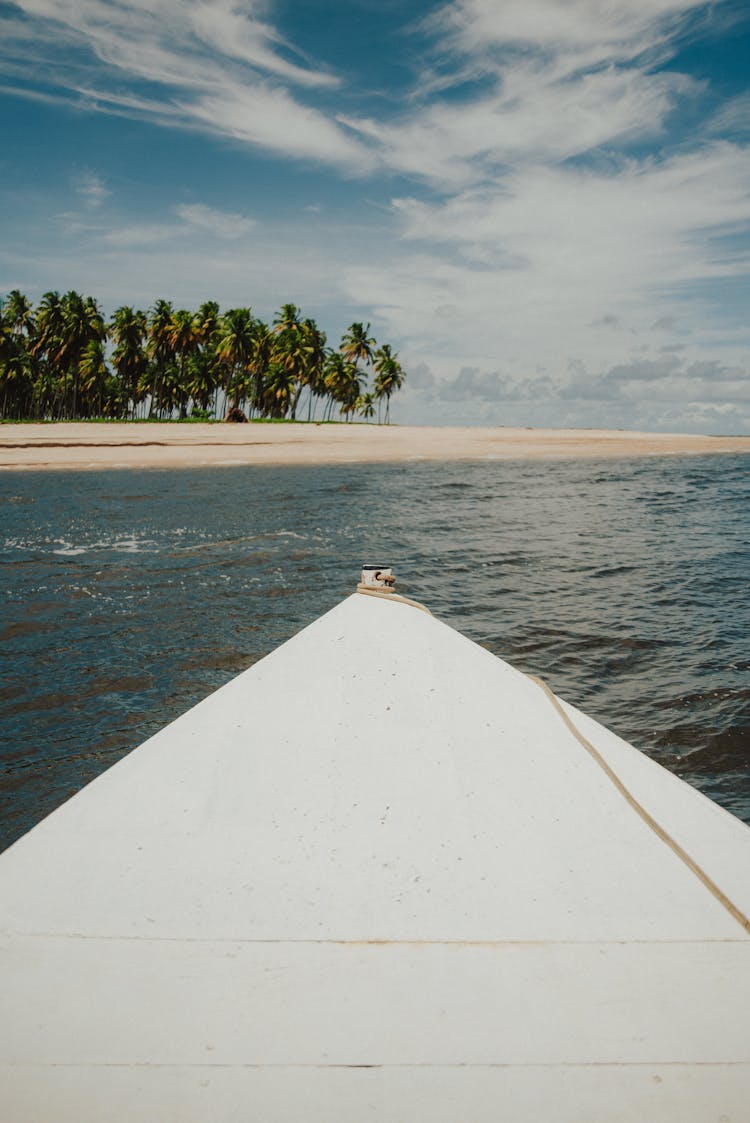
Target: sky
[[543, 205]]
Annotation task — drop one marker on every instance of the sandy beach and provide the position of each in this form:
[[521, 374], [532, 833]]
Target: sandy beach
[[168, 445]]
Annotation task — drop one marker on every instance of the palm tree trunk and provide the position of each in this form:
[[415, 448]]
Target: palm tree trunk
[[295, 399], [154, 389]]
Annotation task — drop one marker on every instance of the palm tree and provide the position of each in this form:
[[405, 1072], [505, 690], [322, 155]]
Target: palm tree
[[18, 313], [6, 333], [279, 390], [17, 327], [206, 322], [235, 347], [129, 357], [16, 381], [290, 351], [159, 347], [365, 405], [286, 319], [260, 363], [93, 374], [357, 346], [315, 352], [47, 345], [205, 368], [53, 361], [390, 377], [184, 341], [171, 390], [7, 336], [202, 377], [82, 323], [344, 383], [352, 390], [334, 380]]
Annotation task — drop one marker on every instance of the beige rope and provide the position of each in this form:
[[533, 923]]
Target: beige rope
[[388, 594], [735, 912]]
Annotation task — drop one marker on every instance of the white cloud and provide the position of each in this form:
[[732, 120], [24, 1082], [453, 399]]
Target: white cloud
[[642, 395], [531, 116], [732, 117], [233, 31], [91, 188], [222, 69], [646, 370], [137, 35], [219, 223], [271, 118], [586, 32], [225, 69], [130, 235], [560, 264], [637, 225], [196, 221], [526, 267], [537, 267], [558, 79]]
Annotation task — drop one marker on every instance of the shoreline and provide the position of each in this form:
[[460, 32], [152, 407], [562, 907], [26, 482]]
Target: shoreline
[[107, 445]]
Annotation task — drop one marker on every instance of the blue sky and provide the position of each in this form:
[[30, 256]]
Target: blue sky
[[543, 204]]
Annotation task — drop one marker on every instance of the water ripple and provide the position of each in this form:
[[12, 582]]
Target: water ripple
[[126, 597]]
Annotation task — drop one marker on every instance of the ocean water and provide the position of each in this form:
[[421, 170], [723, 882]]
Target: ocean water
[[127, 596]]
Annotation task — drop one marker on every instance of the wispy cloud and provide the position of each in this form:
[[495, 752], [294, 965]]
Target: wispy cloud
[[573, 35], [733, 117], [133, 235], [219, 223], [645, 223], [167, 36], [564, 264], [194, 219], [557, 235], [562, 79], [221, 68], [529, 117], [91, 188], [535, 81]]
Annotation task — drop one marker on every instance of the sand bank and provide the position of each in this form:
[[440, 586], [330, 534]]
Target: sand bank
[[100, 446]]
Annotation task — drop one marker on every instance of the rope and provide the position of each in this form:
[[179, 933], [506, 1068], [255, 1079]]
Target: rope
[[372, 591], [733, 910]]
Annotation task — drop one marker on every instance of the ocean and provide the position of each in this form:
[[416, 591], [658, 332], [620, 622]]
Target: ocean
[[127, 596]]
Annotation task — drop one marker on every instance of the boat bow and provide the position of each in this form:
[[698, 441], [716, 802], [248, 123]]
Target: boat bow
[[378, 874]]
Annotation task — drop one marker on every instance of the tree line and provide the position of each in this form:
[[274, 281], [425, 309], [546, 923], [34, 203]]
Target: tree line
[[63, 360]]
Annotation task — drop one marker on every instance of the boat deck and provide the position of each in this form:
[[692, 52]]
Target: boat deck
[[377, 876]]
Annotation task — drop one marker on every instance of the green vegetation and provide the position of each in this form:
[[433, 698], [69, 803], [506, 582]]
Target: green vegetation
[[62, 361]]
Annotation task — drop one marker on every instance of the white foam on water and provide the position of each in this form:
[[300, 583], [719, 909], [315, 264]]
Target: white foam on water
[[128, 545], [68, 550]]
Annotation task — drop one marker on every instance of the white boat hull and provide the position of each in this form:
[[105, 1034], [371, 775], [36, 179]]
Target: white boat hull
[[376, 876]]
